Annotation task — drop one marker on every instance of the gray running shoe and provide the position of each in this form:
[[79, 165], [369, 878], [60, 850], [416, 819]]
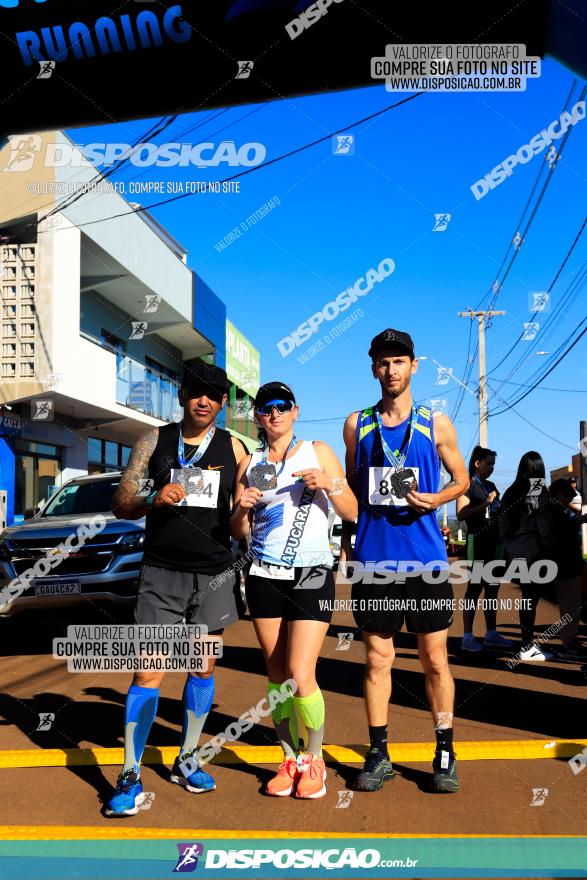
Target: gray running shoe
[[445, 777], [376, 770]]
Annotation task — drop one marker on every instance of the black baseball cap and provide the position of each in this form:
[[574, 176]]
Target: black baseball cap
[[196, 373], [273, 391], [391, 339]]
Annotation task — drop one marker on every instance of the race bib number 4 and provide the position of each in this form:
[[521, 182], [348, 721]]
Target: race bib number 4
[[389, 485], [201, 486]]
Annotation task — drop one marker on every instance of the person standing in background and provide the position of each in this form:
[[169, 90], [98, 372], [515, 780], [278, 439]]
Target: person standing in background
[[478, 508], [526, 527]]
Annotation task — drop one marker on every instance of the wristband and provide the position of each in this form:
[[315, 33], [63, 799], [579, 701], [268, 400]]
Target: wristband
[[151, 498]]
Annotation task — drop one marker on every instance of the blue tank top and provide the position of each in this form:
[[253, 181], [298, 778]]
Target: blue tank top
[[388, 528]]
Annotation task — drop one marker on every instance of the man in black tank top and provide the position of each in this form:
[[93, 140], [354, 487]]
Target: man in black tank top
[[187, 573]]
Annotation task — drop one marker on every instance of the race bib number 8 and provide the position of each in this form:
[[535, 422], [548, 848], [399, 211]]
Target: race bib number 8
[[200, 486], [386, 482]]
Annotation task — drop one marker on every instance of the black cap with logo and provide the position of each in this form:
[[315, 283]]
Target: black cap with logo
[[273, 391], [198, 374], [391, 339]]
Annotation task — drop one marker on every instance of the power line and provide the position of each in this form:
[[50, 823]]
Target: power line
[[497, 285], [548, 372], [552, 283], [266, 164], [536, 428]]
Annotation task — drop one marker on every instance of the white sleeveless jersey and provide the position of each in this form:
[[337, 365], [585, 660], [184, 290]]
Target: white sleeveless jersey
[[290, 523]]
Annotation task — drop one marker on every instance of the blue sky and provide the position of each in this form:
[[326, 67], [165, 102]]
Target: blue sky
[[338, 216]]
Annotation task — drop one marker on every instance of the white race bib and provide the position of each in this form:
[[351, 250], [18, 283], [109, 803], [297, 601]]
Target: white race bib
[[380, 490], [266, 570], [201, 486]]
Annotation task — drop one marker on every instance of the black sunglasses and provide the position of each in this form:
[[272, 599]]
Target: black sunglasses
[[282, 406]]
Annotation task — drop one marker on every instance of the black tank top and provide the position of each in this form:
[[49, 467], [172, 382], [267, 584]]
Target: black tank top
[[193, 539]]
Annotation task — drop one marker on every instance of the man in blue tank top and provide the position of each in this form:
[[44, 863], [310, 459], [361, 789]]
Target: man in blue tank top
[[400, 572]]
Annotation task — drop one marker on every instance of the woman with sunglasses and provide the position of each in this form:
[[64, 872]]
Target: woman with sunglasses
[[281, 502]]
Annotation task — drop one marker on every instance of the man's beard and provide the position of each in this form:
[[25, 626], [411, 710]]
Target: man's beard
[[394, 392]]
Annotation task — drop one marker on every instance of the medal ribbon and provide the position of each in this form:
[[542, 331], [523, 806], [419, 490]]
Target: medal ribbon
[[265, 456], [398, 459], [200, 451]]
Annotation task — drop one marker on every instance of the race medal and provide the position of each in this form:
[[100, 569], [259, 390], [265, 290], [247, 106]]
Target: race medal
[[402, 482], [263, 476], [389, 485], [201, 487]]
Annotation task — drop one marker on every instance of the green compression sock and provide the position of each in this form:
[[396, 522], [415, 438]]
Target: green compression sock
[[311, 712], [284, 719]]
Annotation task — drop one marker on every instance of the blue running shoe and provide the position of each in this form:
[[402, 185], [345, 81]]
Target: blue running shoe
[[197, 781], [128, 796]]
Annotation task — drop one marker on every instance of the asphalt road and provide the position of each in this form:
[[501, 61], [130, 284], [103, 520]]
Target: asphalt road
[[493, 703]]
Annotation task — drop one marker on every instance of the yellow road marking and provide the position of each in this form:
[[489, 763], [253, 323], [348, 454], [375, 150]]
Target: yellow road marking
[[90, 832], [508, 750]]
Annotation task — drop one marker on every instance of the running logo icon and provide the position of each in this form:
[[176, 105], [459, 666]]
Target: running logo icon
[[188, 857], [47, 68], [244, 69], [343, 145], [441, 222], [344, 800], [23, 151], [344, 642], [311, 579], [539, 795], [46, 719]]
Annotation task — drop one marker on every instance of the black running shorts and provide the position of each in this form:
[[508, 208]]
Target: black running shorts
[[309, 596], [384, 608]]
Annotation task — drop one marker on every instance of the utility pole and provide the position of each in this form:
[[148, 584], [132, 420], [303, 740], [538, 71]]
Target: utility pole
[[481, 316]]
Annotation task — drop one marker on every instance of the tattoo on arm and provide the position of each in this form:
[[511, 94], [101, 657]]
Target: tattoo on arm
[[137, 469], [450, 485]]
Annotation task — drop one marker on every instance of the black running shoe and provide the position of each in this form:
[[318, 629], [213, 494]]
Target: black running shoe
[[376, 770], [445, 777]]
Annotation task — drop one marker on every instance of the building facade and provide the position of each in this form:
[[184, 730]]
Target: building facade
[[243, 368], [97, 320]]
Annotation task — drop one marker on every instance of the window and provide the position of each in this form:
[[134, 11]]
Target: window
[[9, 291], [27, 349], [112, 340], [77, 498], [27, 329], [106, 455], [28, 271], [94, 449], [27, 291], [111, 453], [9, 311], [27, 310], [27, 253], [9, 349], [8, 330], [27, 369], [7, 371], [10, 272], [9, 254]]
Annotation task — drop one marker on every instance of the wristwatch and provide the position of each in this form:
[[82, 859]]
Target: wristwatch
[[151, 498]]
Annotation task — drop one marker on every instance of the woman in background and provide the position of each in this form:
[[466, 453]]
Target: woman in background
[[526, 527]]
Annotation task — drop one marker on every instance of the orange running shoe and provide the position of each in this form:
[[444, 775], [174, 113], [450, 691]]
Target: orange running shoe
[[281, 785], [312, 783]]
